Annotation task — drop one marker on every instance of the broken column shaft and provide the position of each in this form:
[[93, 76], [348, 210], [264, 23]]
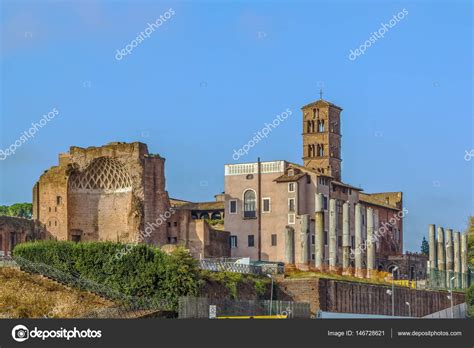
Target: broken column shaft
[[332, 235], [370, 243], [304, 238], [346, 240], [358, 241], [319, 232]]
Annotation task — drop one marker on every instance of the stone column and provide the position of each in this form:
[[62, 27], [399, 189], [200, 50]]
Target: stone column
[[358, 241], [332, 235], [432, 241], [448, 240], [464, 268], [370, 243], [304, 238], [441, 276], [319, 232], [457, 259], [346, 238], [289, 245]]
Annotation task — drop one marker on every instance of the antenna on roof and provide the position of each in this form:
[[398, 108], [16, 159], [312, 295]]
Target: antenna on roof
[[321, 93]]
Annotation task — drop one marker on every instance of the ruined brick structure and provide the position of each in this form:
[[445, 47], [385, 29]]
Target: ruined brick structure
[[107, 193], [117, 193], [14, 230]]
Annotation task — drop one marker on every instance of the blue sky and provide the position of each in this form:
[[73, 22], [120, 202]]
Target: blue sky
[[210, 77]]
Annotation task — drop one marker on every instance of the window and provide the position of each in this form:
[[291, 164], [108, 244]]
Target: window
[[251, 240], [55, 209], [291, 172], [313, 256], [350, 191], [233, 241], [291, 204], [50, 209], [339, 240], [325, 237], [233, 206], [175, 224], [58, 200], [249, 204], [274, 239], [313, 239], [325, 203], [333, 188], [308, 179], [291, 219], [266, 205], [291, 187], [169, 224], [353, 242]]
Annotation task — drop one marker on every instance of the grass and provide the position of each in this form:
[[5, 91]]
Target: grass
[[23, 295]]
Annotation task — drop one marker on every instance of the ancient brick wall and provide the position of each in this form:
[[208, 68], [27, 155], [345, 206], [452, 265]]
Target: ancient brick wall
[[362, 298]]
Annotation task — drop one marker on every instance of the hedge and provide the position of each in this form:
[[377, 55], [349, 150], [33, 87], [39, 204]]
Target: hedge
[[142, 271]]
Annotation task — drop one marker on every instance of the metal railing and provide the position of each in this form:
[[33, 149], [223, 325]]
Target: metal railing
[[218, 265], [125, 304]]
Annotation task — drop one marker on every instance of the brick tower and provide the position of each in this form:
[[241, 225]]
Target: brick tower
[[322, 138]]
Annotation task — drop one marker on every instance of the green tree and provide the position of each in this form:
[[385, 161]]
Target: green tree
[[425, 247], [23, 210], [470, 302]]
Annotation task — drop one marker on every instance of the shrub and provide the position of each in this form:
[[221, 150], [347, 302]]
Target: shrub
[[144, 271], [470, 302]]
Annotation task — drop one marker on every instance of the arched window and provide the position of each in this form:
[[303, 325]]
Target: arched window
[[249, 204]]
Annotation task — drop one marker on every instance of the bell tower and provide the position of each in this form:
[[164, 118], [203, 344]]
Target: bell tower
[[322, 138]]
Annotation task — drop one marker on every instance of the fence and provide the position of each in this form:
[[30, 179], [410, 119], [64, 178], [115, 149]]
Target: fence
[[222, 265], [458, 312], [445, 280], [126, 306], [205, 308]]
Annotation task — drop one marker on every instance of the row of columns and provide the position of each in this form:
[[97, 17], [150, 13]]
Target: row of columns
[[447, 257], [332, 239]]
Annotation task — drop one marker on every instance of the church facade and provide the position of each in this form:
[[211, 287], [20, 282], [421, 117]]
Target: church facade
[[270, 206]]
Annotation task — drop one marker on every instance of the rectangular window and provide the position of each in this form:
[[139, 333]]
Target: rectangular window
[[313, 239], [266, 205], [291, 187], [353, 242], [308, 179], [291, 204], [274, 239], [233, 241], [325, 237], [325, 203], [313, 256], [350, 191], [291, 219], [251, 240], [339, 241], [233, 206]]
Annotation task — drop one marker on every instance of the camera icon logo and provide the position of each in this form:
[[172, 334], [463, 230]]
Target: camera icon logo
[[20, 333]]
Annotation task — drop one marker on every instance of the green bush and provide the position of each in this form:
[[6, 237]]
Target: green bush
[[141, 271], [470, 302]]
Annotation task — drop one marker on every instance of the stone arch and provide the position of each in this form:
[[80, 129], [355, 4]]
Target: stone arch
[[216, 216]]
